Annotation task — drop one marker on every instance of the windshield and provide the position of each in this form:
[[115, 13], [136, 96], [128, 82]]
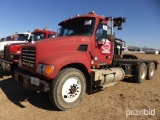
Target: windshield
[[3, 39], [9, 39], [78, 26], [38, 36], [51, 36], [22, 37]]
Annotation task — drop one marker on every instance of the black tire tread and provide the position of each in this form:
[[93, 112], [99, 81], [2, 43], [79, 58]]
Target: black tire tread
[[148, 71], [137, 77], [55, 84]]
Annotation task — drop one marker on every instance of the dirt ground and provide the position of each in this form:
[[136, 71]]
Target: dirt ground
[[118, 102]]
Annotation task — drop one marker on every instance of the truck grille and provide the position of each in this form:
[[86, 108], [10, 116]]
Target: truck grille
[[6, 52], [28, 57]]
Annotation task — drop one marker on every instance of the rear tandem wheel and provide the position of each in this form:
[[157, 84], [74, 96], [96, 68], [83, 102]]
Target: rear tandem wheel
[[140, 73], [150, 70]]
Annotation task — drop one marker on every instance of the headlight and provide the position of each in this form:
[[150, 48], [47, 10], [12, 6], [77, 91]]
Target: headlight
[[45, 69], [19, 62]]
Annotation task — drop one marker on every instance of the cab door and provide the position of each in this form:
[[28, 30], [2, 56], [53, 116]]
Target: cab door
[[103, 46]]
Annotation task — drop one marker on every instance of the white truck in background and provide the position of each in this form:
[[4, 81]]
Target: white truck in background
[[22, 37]]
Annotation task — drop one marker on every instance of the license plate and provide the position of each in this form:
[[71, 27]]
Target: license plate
[[35, 81]]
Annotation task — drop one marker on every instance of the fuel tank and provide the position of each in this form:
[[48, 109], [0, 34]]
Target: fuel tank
[[106, 76]]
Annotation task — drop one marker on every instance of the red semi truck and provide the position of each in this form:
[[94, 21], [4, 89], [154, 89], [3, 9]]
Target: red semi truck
[[13, 51], [85, 56]]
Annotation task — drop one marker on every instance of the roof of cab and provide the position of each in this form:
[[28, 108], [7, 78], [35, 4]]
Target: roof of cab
[[90, 14], [44, 30]]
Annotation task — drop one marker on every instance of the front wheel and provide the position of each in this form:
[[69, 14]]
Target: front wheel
[[67, 89]]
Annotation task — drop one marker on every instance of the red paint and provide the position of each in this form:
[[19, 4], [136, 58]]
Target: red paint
[[16, 48], [62, 51]]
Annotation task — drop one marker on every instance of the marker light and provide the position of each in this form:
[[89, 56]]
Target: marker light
[[93, 13], [48, 70], [77, 15]]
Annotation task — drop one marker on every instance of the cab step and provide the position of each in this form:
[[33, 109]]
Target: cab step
[[108, 85]]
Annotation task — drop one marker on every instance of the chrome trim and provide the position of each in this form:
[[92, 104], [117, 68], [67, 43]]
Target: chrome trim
[[28, 61], [28, 57]]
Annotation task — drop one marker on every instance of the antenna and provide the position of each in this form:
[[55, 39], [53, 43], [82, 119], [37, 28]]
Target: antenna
[[46, 28], [120, 12]]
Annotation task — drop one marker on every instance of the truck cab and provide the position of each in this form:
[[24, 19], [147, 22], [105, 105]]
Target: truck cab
[[11, 38], [8, 39], [86, 55], [17, 38], [43, 34], [3, 39], [24, 36], [12, 51]]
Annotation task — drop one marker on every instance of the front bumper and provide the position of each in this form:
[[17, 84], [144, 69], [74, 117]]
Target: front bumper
[[30, 81]]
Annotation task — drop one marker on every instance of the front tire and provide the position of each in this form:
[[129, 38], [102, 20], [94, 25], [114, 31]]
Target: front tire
[[67, 89], [140, 73]]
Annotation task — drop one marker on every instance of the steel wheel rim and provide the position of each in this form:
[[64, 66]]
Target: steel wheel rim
[[152, 69], [143, 73], [71, 89]]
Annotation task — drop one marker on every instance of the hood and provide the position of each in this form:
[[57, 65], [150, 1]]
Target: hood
[[57, 45], [12, 44], [16, 48], [2, 44], [59, 41]]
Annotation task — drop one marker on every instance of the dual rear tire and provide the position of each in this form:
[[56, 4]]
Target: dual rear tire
[[143, 72], [150, 70]]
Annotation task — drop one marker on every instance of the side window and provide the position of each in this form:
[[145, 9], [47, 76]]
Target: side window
[[65, 32], [101, 32]]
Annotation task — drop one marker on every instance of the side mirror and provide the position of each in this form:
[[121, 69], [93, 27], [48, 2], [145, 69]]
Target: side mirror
[[119, 27], [118, 22]]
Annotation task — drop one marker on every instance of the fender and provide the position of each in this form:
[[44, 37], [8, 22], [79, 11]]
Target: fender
[[61, 59]]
